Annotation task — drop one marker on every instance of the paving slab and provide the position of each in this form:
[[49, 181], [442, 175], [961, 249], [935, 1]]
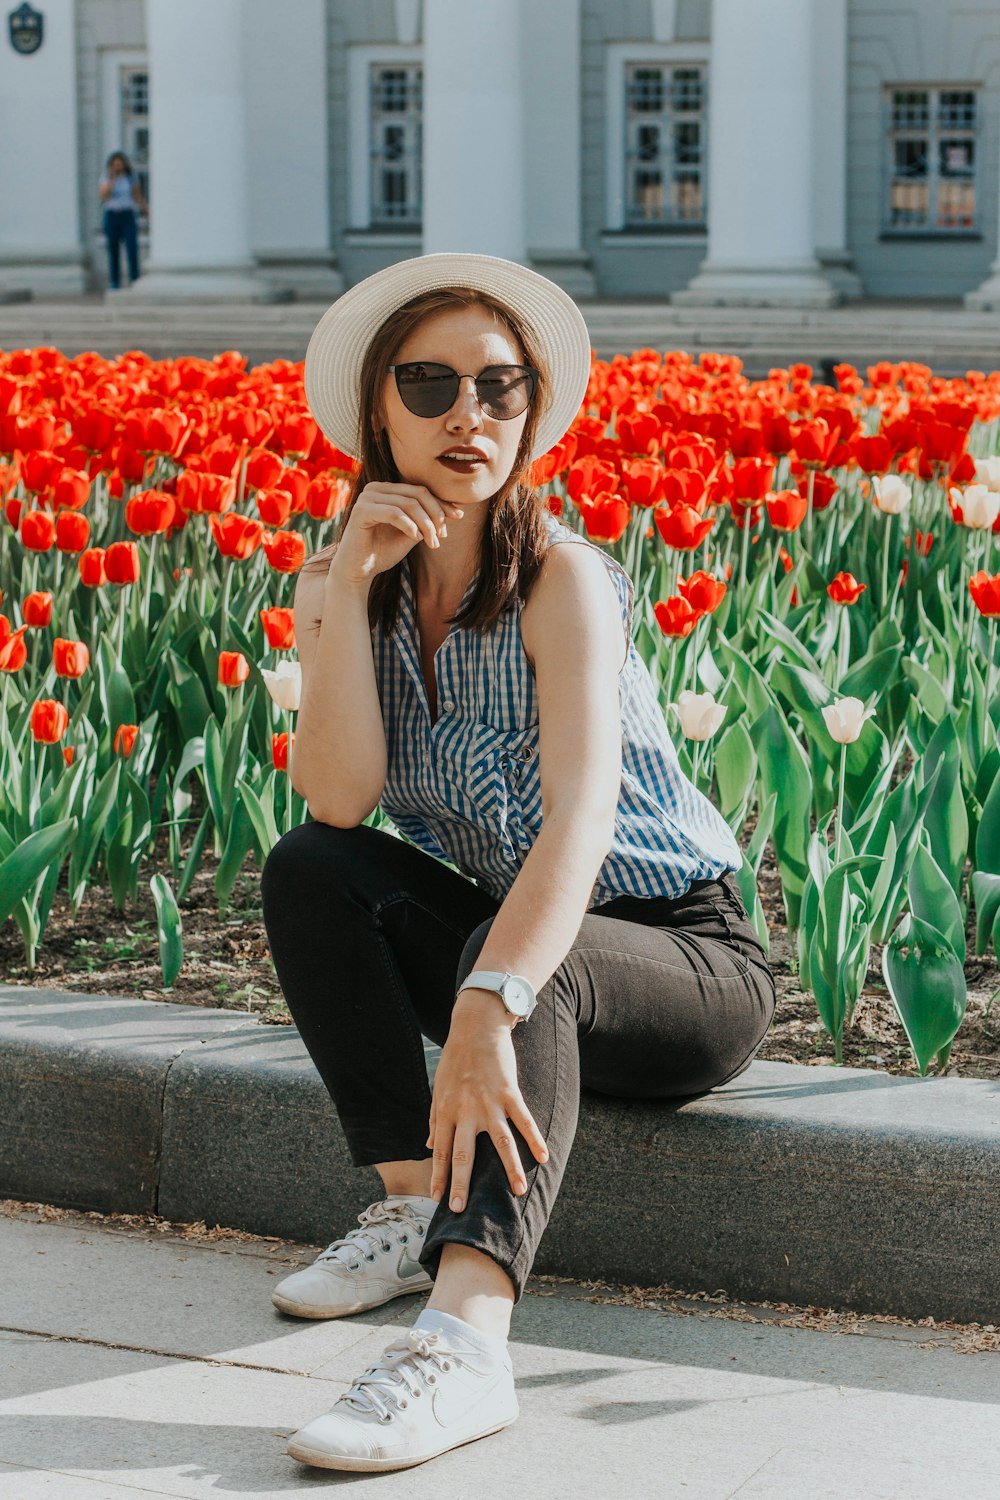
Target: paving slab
[[706, 1403]]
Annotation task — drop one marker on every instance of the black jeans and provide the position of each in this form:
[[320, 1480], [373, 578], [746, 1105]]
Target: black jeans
[[370, 938], [121, 226]]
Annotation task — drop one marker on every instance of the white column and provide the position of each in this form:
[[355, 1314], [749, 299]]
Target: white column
[[986, 297], [760, 203], [40, 248], [829, 145], [551, 51], [473, 171], [199, 212], [288, 144]]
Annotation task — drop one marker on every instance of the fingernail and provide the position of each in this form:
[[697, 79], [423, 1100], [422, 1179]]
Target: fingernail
[[456, 1203]]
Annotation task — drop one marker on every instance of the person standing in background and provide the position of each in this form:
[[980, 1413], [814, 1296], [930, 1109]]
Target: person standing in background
[[123, 200]]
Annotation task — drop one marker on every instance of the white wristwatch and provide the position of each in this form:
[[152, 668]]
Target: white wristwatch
[[514, 990]]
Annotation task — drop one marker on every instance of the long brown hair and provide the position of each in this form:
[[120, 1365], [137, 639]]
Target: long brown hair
[[514, 538]]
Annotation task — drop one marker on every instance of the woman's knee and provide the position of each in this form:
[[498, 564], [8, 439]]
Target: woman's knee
[[306, 857]]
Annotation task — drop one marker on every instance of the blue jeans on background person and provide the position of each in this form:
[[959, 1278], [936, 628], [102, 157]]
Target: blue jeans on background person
[[370, 938], [121, 224]]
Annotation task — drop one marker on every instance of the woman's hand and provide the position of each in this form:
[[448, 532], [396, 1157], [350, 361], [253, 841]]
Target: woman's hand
[[386, 522], [476, 1089]]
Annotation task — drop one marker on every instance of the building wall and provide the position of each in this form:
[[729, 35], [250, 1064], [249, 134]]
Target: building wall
[[923, 41], [629, 262]]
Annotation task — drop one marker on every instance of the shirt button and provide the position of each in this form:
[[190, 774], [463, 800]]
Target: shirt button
[[448, 706]]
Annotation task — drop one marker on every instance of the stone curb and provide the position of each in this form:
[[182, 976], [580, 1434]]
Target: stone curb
[[838, 1188]]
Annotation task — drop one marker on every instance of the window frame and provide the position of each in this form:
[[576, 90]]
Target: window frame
[[934, 133], [619, 57], [361, 61]]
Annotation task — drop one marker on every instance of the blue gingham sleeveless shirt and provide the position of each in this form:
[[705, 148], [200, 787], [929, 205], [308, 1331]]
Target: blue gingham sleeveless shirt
[[467, 788]]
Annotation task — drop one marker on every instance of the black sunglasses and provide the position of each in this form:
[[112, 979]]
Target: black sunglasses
[[429, 390]]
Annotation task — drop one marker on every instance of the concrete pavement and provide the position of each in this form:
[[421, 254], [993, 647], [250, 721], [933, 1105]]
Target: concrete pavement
[[140, 1359]]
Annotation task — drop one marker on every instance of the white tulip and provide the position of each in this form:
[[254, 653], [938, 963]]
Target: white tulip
[[980, 506], [700, 715], [988, 472], [845, 719], [284, 685], [893, 493]]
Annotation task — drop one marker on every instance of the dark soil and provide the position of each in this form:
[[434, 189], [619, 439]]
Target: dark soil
[[227, 963]]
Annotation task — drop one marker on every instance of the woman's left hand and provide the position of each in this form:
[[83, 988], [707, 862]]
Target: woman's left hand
[[476, 1089]]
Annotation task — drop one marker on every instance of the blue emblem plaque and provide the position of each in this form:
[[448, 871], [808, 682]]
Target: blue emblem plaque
[[26, 26]]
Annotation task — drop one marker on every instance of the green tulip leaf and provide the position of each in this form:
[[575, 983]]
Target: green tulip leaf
[[927, 985]]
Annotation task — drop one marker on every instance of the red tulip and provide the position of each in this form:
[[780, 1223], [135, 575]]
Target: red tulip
[[676, 616], [72, 531], [49, 720], [703, 592], [274, 506], [845, 589], [279, 627], [70, 658], [37, 610], [786, 510], [605, 517], [985, 591], [279, 750], [125, 738], [13, 651], [233, 668], [149, 513], [91, 566], [235, 535], [284, 550], [121, 563], [38, 530], [682, 528], [71, 489], [264, 469], [327, 496]]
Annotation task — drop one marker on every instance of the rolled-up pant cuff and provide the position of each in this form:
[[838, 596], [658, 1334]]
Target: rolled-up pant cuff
[[446, 1228]]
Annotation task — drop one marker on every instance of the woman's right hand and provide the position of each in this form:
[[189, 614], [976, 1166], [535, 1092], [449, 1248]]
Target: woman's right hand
[[386, 522]]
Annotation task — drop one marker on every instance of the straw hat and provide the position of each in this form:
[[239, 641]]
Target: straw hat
[[342, 335]]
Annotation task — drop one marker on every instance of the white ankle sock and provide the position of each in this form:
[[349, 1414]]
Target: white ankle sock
[[424, 1206], [457, 1328]]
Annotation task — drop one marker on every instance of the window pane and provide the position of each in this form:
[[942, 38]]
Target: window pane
[[395, 96], [910, 109], [663, 145], [957, 109]]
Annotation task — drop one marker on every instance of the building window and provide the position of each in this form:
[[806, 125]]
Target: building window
[[665, 116], [133, 95], [396, 105], [931, 161]]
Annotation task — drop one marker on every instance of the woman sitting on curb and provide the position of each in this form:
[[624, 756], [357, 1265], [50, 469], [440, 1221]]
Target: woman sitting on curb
[[477, 678]]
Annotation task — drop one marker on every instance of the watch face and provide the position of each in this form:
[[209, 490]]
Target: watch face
[[517, 997]]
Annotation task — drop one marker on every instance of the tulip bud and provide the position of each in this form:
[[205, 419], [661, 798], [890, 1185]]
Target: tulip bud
[[845, 719], [699, 714], [978, 505], [892, 493], [988, 472], [285, 684]]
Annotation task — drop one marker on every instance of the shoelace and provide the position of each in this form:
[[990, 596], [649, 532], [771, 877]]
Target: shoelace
[[387, 1378], [362, 1241]]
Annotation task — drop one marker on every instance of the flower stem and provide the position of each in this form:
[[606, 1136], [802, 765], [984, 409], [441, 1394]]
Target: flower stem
[[840, 805]]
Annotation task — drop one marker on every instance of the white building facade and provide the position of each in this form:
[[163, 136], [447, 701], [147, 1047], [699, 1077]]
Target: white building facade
[[748, 152]]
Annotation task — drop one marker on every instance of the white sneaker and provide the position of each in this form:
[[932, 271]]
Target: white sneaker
[[427, 1393], [371, 1265]]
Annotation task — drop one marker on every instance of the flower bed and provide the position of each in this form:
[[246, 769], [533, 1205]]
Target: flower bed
[[815, 597]]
